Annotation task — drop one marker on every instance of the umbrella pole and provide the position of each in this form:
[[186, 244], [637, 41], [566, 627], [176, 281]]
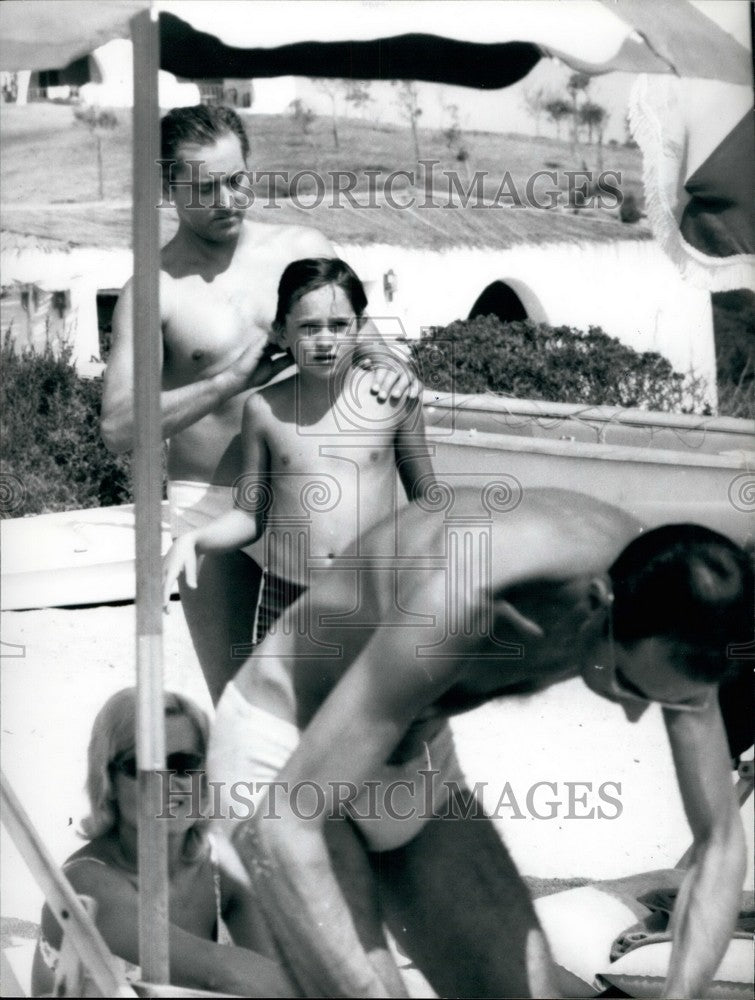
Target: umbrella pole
[[147, 466]]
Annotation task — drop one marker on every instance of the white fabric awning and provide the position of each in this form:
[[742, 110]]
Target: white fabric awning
[[364, 39]]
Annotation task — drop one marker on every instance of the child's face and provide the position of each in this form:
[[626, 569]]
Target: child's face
[[321, 331]]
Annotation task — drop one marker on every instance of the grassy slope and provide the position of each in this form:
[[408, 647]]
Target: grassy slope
[[49, 159]]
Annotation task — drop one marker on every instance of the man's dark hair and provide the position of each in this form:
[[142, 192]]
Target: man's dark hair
[[311, 273], [201, 125], [691, 585]]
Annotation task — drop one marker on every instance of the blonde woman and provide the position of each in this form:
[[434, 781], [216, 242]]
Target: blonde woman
[[212, 918]]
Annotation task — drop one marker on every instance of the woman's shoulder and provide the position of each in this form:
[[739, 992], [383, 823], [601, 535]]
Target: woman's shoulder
[[84, 869], [93, 865]]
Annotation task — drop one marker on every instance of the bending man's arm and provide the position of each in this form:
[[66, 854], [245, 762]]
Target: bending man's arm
[[332, 950], [182, 406], [327, 947], [706, 908]]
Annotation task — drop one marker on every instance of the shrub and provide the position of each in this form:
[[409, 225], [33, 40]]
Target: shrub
[[628, 210], [559, 364], [51, 435], [734, 326]]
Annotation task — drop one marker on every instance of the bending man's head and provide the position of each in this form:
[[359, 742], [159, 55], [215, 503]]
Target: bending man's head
[[690, 586], [680, 598]]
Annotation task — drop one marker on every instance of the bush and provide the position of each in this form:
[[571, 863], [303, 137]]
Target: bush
[[734, 326], [628, 210], [559, 364], [51, 436]]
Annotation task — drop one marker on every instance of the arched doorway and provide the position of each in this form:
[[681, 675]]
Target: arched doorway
[[501, 300]]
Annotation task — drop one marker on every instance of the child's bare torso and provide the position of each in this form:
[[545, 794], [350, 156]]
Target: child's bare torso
[[332, 472]]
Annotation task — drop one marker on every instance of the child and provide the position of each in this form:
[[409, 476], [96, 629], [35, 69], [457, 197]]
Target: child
[[319, 450]]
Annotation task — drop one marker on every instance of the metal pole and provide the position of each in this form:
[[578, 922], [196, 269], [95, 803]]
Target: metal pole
[[147, 466], [69, 911]]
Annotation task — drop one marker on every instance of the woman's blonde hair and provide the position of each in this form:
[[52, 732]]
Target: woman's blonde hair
[[113, 736]]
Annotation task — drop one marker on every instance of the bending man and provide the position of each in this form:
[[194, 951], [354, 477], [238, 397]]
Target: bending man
[[473, 604]]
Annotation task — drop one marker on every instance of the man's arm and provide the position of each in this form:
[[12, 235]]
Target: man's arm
[[180, 407], [353, 733], [706, 908]]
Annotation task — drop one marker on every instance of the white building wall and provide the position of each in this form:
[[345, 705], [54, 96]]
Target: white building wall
[[79, 272], [273, 95], [630, 289], [115, 63]]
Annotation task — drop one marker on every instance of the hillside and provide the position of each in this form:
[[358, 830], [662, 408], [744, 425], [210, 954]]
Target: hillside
[[49, 165]]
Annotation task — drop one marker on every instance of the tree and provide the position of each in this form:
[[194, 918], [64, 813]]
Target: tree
[[535, 102], [454, 136], [333, 89], [594, 117], [98, 122], [408, 102], [577, 84], [557, 109], [302, 114], [358, 93], [452, 132]]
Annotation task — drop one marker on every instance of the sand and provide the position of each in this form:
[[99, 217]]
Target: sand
[[60, 665]]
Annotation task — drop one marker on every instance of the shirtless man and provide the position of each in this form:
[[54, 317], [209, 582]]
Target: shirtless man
[[479, 602], [218, 282]]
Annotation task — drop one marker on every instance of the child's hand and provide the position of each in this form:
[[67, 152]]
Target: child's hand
[[180, 558]]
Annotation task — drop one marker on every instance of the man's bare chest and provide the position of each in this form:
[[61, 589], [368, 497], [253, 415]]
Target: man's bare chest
[[211, 323]]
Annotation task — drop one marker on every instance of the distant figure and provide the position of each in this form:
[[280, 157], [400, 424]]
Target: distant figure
[[211, 907], [320, 454], [218, 280], [348, 718]]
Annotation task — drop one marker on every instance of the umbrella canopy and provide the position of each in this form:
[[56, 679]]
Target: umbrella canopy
[[700, 211], [476, 44]]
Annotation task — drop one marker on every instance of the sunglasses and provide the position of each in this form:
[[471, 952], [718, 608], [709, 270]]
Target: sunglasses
[[183, 764], [619, 685]]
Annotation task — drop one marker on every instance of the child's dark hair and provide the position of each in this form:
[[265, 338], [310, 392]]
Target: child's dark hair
[[303, 276], [691, 585], [200, 124]]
